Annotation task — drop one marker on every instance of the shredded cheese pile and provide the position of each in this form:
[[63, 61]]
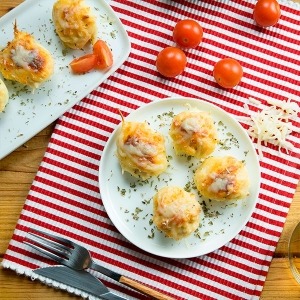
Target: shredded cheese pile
[[273, 124]]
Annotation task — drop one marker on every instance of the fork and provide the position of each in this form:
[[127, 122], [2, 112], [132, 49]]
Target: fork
[[74, 256]]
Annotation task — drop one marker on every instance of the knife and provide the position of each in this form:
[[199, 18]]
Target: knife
[[81, 280]]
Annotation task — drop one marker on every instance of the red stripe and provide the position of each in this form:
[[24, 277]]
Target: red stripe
[[268, 231], [256, 249], [19, 261], [272, 200], [66, 208], [64, 155], [277, 169], [50, 193], [259, 238], [72, 169], [249, 243], [283, 193], [90, 112], [73, 147], [237, 250], [267, 219], [58, 176], [122, 92]]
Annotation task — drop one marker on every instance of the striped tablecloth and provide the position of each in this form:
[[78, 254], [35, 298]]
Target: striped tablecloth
[[65, 198]]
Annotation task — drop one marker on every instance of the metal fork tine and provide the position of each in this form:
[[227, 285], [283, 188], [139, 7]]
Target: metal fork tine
[[55, 257], [55, 237], [46, 243]]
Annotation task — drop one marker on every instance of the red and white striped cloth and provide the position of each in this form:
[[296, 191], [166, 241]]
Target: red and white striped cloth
[[65, 199]]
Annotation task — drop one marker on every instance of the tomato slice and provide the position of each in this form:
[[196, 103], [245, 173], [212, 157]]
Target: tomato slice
[[84, 63], [104, 55]]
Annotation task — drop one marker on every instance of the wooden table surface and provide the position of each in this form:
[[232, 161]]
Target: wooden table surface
[[17, 172]]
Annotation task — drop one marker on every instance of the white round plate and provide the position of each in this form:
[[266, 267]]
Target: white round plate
[[128, 201]]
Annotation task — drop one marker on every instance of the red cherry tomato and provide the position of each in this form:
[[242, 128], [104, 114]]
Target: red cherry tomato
[[84, 63], [187, 33], [171, 62], [228, 72], [104, 55], [266, 12]]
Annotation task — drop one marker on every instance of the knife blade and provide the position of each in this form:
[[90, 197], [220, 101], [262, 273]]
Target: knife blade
[[81, 280]]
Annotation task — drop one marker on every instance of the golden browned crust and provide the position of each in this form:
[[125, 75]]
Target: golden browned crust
[[176, 212], [193, 133], [74, 23], [3, 95], [222, 178], [140, 150], [26, 61]]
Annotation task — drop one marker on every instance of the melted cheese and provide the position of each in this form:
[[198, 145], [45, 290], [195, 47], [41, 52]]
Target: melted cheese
[[219, 184], [176, 212], [193, 133], [22, 57], [222, 178], [25, 60], [140, 149], [190, 125], [74, 23], [176, 208]]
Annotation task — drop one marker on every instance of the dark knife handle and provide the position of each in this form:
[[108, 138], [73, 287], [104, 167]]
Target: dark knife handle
[[143, 289]]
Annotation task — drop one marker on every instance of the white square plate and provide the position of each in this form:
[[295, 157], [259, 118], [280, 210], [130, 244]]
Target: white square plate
[[27, 113]]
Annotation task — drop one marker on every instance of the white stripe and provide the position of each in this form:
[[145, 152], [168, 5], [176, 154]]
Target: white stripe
[[271, 207], [254, 254], [71, 142], [269, 214], [75, 165], [68, 184]]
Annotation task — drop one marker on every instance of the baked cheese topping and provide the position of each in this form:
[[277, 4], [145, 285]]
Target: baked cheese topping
[[139, 148], [22, 57], [25, 60], [190, 125], [141, 151], [176, 212], [74, 23], [222, 178], [219, 184], [193, 133]]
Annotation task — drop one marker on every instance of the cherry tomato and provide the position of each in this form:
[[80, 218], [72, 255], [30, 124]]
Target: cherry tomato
[[104, 55], [266, 12], [171, 62], [84, 63], [228, 72], [187, 33]]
